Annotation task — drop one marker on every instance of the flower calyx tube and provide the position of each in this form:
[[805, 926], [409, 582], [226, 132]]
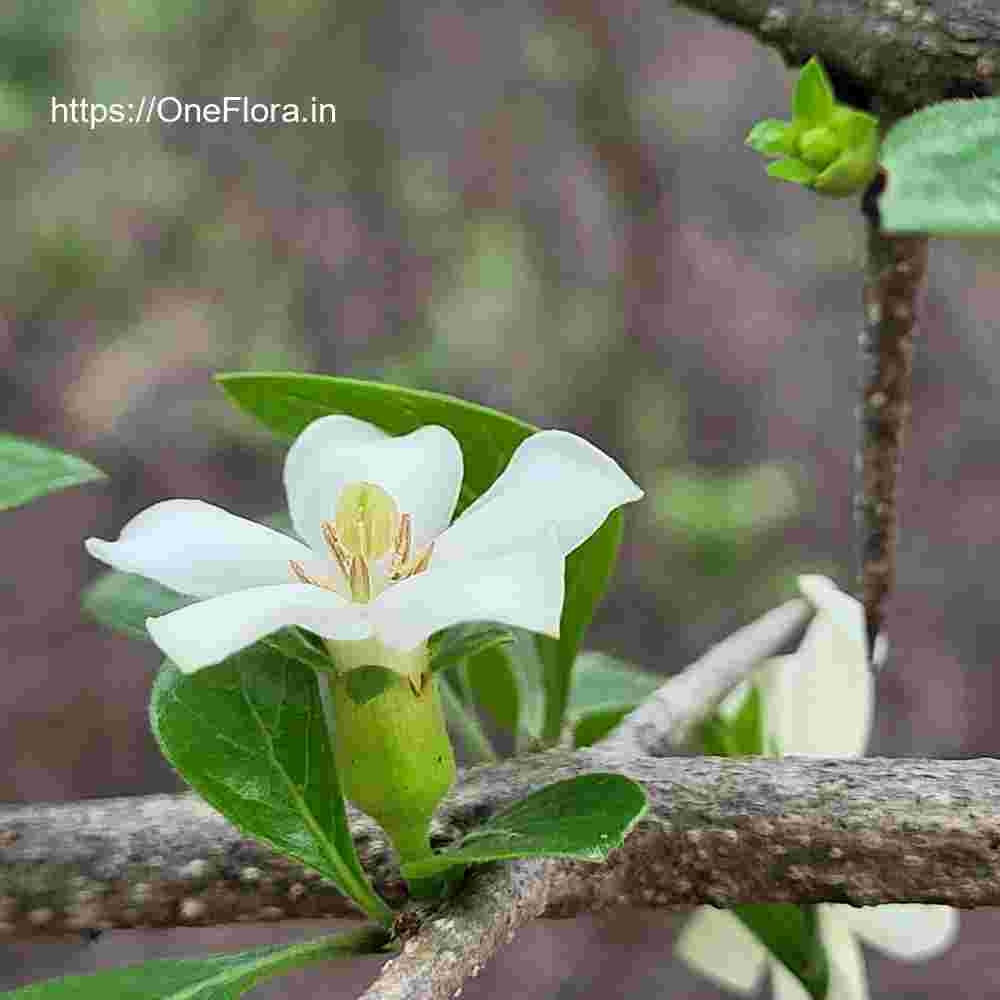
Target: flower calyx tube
[[393, 752]]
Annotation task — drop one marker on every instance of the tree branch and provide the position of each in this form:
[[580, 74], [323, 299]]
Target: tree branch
[[906, 53], [719, 831]]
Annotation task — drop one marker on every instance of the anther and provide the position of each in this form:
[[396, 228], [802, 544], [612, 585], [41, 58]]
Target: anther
[[337, 548], [401, 547], [299, 571], [422, 561], [361, 582]]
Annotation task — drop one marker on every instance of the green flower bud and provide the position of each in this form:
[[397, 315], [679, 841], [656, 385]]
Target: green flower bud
[[393, 753], [829, 147], [818, 147]]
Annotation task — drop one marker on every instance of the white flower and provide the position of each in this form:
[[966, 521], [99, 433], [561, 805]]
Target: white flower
[[818, 701], [378, 558]]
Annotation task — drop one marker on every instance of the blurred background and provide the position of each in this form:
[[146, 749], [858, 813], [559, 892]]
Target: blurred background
[[546, 208]]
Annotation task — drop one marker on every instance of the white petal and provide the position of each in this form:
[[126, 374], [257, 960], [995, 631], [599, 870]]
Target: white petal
[[198, 549], [848, 976], [522, 588], [721, 948], [845, 613], [209, 631], [553, 477], [819, 699], [784, 986], [904, 930], [422, 471]]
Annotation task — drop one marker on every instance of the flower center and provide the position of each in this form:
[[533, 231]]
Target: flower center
[[367, 526], [367, 520]]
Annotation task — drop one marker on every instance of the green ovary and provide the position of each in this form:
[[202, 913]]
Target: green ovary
[[393, 752]]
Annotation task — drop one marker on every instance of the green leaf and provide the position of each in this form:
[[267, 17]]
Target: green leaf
[[463, 720], [287, 402], [250, 736], [213, 977], [793, 170], [594, 726], [812, 102], [367, 682], [601, 681], [584, 818], [460, 643], [123, 602], [943, 165], [494, 686], [605, 689], [29, 470], [588, 571], [791, 934], [772, 137], [738, 735]]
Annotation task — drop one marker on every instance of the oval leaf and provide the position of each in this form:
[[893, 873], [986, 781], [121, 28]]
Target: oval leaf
[[250, 736], [583, 818], [287, 402], [453, 646], [791, 934], [588, 571], [213, 977], [29, 470], [123, 602], [943, 166], [605, 689]]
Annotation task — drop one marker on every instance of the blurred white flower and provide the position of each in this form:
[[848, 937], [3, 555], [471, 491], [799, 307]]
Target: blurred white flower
[[378, 559], [817, 700]]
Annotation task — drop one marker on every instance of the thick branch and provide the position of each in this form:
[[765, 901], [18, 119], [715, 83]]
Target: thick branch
[[718, 831], [907, 54]]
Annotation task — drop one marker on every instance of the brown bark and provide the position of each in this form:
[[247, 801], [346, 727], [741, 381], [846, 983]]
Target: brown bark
[[895, 271], [718, 831], [907, 54]]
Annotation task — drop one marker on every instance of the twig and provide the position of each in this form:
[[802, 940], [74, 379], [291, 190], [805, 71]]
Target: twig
[[894, 273], [663, 722]]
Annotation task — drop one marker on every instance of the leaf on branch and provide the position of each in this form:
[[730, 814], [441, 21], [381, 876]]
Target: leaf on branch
[[605, 689], [29, 470], [250, 736], [453, 646], [791, 935], [212, 977], [943, 167], [583, 818]]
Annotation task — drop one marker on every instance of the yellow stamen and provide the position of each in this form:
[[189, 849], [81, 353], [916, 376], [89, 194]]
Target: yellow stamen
[[299, 570], [423, 561], [401, 549], [361, 581], [336, 547]]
